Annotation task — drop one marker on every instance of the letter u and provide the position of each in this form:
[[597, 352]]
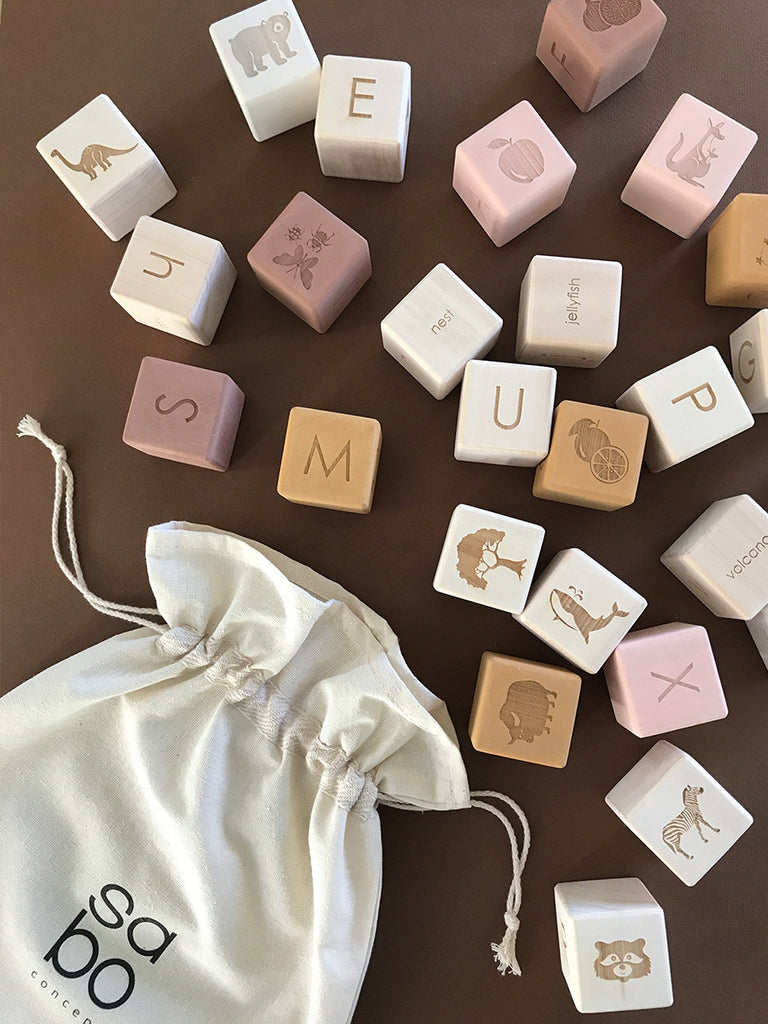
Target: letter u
[[497, 421]]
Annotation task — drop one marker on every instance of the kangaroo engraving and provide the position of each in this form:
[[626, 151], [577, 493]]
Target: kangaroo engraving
[[696, 162], [93, 156]]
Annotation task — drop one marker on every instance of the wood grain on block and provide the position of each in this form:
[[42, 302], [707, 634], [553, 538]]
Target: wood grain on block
[[688, 165], [363, 114], [749, 358], [184, 413], [330, 460], [107, 167], [311, 261], [437, 328], [271, 65], [737, 254], [679, 811], [524, 710], [723, 557], [692, 405], [512, 172], [758, 630]]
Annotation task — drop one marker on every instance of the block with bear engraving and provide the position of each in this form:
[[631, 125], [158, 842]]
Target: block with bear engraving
[[749, 358], [737, 254]]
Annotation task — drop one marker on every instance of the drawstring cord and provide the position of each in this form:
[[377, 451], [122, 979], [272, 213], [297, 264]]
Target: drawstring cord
[[64, 495]]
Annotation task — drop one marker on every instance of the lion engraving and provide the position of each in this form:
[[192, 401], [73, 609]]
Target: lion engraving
[[251, 45]]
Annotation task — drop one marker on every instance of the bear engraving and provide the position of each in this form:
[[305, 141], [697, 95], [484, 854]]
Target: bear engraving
[[251, 45], [525, 712]]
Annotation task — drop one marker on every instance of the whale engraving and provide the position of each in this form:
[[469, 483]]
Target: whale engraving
[[575, 616]]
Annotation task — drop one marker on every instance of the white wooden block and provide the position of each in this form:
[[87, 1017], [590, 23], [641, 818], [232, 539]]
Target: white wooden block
[[175, 280], [569, 311], [271, 65], [363, 114], [613, 945], [437, 328], [749, 358], [107, 167], [679, 811], [488, 558], [505, 413], [581, 609], [758, 630], [692, 405], [688, 165], [723, 557]]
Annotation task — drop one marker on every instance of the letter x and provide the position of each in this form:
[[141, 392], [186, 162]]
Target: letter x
[[677, 681]]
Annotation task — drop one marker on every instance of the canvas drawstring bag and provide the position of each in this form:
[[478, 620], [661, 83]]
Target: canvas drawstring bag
[[189, 809]]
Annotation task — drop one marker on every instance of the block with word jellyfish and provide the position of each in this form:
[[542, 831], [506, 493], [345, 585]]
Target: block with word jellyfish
[[311, 261], [175, 280], [184, 413], [692, 405], [437, 328], [749, 358], [330, 460], [107, 167], [270, 63], [488, 558], [688, 165], [593, 47], [363, 114], [512, 172], [758, 630], [679, 811], [723, 557], [737, 254]]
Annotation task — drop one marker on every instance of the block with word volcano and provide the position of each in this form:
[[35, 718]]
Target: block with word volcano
[[737, 254], [749, 358]]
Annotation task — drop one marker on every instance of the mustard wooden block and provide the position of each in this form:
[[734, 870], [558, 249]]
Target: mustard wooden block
[[737, 254]]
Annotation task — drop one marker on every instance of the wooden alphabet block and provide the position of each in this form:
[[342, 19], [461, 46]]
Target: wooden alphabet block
[[184, 413], [723, 557], [512, 172], [581, 609], [330, 460], [569, 311], [679, 811], [737, 254], [271, 65], [595, 457], [749, 358], [692, 405], [613, 945], [107, 166], [437, 328], [363, 114], [593, 47], [175, 280], [505, 413], [477, 544], [688, 165], [524, 710], [311, 261], [758, 630], [664, 678]]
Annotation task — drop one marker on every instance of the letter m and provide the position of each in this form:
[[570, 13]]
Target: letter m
[[345, 453]]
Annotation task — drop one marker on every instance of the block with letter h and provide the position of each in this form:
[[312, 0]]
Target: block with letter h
[[749, 357]]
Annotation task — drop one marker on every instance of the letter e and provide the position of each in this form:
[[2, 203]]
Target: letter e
[[355, 95]]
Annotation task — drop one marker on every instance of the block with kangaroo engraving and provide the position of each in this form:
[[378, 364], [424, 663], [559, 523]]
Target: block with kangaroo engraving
[[107, 167], [184, 413], [679, 811], [330, 460], [737, 254], [749, 358]]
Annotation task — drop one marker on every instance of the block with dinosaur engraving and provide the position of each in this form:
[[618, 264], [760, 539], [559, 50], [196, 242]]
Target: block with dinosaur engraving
[[679, 811], [271, 65], [749, 359], [688, 165], [737, 254], [107, 167]]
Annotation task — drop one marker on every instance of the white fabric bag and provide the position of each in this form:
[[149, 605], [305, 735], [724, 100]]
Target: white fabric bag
[[189, 825]]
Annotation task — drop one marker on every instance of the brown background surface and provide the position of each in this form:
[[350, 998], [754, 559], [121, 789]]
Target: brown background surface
[[70, 356]]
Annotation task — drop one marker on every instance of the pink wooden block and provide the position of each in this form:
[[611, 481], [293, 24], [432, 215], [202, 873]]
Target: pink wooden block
[[512, 173], [184, 413], [311, 261], [664, 678]]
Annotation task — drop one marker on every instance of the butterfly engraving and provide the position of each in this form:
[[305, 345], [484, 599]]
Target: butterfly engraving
[[298, 262]]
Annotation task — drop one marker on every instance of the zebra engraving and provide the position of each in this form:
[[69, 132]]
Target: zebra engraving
[[673, 831]]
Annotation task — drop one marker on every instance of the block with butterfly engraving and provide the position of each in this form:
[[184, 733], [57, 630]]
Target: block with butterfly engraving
[[679, 811], [723, 557], [688, 165], [613, 945], [594, 47], [749, 359], [488, 558], [311, 261], [174, 279], [437, 328], [107, 166], [271, 65], [737, 254], [184, 413], [758, 630], [512, 172], [692, 405], [665, 678], [524, 710], [580, 609]]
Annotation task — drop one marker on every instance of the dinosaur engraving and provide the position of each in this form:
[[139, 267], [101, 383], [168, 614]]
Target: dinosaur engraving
[[93, 156], [696, 162]]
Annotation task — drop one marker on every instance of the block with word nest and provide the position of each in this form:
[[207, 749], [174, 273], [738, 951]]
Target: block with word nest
[[749, 358], [737, 254]]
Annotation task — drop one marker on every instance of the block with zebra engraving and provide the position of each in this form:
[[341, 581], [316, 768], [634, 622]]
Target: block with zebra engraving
[[679, 811]]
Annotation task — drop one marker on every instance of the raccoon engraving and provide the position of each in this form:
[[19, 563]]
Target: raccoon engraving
[[622, 960]]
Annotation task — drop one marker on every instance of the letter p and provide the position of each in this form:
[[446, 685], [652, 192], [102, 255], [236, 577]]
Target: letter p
[[693, 395]]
